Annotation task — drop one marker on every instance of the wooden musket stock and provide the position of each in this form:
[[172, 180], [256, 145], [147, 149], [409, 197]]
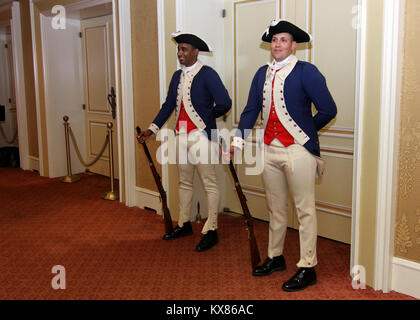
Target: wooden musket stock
[[166, 214], [255, 254]]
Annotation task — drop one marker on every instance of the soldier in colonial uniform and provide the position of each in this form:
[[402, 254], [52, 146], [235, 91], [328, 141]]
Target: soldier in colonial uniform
[[198, 96], [284, 91]]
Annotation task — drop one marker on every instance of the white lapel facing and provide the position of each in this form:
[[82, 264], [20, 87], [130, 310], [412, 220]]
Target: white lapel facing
[[279, 100], [184, 94]]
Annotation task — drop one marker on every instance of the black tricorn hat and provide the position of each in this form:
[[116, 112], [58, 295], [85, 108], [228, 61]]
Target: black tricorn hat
[[192, 39], [280, 26]]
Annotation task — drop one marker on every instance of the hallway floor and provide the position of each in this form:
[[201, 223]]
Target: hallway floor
[[110, 251]]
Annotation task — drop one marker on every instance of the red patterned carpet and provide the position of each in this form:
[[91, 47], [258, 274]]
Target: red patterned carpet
[[110, 251]]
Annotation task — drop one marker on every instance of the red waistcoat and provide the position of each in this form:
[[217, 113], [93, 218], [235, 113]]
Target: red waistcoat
[[274, 128], [183, 116]]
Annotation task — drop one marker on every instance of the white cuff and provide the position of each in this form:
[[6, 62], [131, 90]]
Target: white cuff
[[154, 128], [238, 142]]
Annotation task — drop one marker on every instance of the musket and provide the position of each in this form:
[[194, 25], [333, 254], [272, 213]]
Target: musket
[[255, 254], [166, 214]]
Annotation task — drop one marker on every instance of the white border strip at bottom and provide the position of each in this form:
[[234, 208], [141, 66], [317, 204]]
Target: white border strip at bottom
[[148, 198], [406, 277], [33, 163]]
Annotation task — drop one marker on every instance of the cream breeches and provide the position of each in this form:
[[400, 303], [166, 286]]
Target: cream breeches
[[293, 170], [191, 156]]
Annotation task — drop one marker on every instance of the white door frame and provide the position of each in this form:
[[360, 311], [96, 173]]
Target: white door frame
[[386, 206], [162, 80], [386, 200], [72, 7], [358, 131], [16, 37], [22, 120], [128, 134], [128, 100], [36, 83]]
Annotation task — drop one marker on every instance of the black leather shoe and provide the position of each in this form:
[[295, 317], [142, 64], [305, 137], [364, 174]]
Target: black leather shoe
[[208, 241], [269, 266], [185, 230], [303, 278]]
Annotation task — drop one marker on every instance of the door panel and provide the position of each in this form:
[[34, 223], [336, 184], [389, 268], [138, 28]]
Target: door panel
[[97, 68], [12, 98], [210, 27], [98, 71], [249, 52], [7, 94]]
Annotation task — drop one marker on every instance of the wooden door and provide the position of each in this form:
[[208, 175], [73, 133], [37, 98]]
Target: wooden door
[[12, 97], [99, 79], [8, 97]]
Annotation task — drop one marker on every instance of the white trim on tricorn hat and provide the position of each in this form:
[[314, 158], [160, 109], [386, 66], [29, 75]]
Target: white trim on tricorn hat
[[281, 26], [185, 37]]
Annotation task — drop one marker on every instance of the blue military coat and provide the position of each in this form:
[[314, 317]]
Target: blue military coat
[[208, 95], [303, 86]]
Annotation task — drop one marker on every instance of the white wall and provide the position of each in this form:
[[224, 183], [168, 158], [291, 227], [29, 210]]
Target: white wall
[[406, 277], [62, 58]]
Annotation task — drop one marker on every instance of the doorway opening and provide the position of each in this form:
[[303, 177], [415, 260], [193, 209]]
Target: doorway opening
[[9, 145], [79, 77]]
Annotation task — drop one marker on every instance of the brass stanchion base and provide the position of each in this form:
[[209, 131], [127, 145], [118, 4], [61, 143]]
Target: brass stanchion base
[[198, 218], [110, 195], [69, 179]]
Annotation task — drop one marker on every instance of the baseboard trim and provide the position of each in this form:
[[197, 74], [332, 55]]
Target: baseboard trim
[[33, 163], [406, 277], [146, 198]]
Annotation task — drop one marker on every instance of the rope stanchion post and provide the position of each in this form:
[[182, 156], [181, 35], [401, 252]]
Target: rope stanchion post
[[69, 178], [111, 195]]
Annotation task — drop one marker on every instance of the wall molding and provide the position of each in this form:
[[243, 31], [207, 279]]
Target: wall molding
[[76, 6], [235, 5], [22, 120], [393, 33], [336, 152], [119, 137], [310, 28], [83, 4], [34, 20], [162, 80], [358, 129], [406, 277], [127, 99], [46, 104], [333, 208], [320, 205], [337, 132], [256, 191]]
